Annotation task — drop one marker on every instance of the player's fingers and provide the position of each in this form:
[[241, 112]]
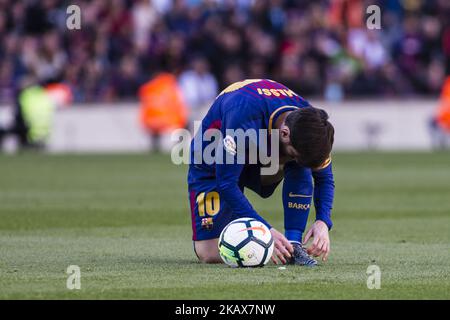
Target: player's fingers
[[311, 248], [285, 251], [316, 248], [287, 246], [327, 252], [274, 260], [316, 241], [280, 244], [279, 254], [281, 258], [322, 248], [324, 252], [274, 255], [307, 236]]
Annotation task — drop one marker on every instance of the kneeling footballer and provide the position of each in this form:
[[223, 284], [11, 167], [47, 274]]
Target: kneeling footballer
[[216, 189]]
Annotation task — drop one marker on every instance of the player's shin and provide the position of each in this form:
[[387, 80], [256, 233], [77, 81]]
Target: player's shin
[[297, 197]]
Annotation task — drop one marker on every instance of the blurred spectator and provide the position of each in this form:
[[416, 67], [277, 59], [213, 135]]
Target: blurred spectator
[[144, 17], [198, 86], [126, 80], [319, 48], [44, 57]]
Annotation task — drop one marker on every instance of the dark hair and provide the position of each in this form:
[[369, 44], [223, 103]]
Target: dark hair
[[311, 134]]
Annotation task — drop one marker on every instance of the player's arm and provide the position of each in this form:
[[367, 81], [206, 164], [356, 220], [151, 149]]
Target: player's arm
[[228, 156], [227, 179], [324, 193], [323, 202]]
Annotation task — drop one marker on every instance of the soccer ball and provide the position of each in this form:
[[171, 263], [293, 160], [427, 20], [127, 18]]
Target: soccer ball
[[246, 242]]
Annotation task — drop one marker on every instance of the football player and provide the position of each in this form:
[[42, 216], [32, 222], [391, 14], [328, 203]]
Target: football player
[[216, 189]]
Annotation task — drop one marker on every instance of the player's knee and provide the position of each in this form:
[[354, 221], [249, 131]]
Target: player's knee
[[208, 257], [207, 252]]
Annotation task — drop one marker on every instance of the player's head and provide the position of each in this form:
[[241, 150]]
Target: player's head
[[307, 136]]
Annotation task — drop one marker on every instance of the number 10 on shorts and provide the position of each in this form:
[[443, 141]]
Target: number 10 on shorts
[[209, 203]]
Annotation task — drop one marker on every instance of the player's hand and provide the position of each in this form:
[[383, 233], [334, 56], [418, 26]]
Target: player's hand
[[321, 243], [282, 247]]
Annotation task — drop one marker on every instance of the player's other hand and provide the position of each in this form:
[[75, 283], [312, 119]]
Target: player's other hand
[[282, 247], [321, 243]]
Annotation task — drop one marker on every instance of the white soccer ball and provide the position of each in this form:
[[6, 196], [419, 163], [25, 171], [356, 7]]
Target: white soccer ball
[[246, 242]]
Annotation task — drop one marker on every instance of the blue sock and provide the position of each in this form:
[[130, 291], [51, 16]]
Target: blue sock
[[297, 196]]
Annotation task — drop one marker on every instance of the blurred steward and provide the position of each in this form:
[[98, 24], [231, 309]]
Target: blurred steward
[[33, 115], [440, 125], [162, 108], [443, 116]]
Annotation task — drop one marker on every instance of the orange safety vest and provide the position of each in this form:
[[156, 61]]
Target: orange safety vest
[[443, 112], [162, 108]]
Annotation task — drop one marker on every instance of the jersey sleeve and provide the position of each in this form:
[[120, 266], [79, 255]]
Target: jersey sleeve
[[324, 193], [229, 169]]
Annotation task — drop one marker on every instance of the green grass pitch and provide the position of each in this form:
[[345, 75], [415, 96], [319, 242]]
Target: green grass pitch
[[124, 220]]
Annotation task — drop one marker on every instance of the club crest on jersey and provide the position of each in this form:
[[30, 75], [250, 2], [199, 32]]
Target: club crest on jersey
[[230, 145], [207, 223]]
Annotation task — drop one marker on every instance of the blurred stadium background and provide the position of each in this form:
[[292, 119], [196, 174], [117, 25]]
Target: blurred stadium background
[[135, 70], [380, 86]]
